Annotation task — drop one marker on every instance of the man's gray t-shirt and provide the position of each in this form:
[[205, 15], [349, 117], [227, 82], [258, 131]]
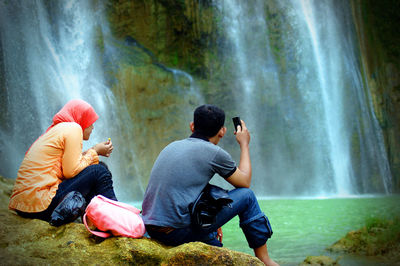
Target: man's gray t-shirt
[[179, 174]]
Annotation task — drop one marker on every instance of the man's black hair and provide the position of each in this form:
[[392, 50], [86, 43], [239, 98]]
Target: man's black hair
[[208, 120]]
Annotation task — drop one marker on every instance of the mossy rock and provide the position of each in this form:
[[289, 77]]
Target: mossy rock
[[35, 242], [379, 238], [319, 260]]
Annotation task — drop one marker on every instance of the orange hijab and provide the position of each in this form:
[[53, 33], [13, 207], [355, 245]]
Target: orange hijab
[[77, 111]]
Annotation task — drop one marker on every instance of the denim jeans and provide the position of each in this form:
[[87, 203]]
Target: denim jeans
[[93, 180], [254, 223]]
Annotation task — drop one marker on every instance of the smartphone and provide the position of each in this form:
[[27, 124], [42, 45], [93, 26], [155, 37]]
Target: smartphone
[[236, 122]]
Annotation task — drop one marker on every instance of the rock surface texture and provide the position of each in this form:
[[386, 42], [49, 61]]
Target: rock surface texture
[[35, 242]]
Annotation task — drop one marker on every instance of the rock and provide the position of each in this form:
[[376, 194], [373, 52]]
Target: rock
[[319, 260], [380, 239], [378, 33], [35, 242], [6, 186]]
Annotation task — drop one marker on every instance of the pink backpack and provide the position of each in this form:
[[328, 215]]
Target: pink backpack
[[113, 218]]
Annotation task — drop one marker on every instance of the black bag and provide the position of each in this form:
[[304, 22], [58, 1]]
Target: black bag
[[71, 207], [204, 209]]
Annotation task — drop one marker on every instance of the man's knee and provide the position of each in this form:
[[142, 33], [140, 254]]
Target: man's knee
[[247, 195]]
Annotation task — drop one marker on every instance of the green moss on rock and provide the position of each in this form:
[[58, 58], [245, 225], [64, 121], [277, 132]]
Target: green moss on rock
[[180, 33], [319, 260], [379, 237], [35, 242]]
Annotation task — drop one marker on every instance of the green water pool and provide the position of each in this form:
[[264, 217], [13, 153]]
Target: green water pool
[[304, 227]]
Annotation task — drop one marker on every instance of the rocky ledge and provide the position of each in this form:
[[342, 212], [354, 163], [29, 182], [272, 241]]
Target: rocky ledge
[[35, 242], [379, 240]]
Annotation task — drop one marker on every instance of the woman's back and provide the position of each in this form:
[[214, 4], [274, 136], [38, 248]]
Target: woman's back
[[53, 156]]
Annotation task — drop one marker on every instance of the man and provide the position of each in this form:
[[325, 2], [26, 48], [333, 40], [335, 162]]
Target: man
[[184, 168]]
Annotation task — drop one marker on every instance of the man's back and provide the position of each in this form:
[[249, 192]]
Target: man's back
[[184, 168], [179, 174]]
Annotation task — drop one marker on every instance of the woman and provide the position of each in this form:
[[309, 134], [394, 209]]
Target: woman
[[54, 165]]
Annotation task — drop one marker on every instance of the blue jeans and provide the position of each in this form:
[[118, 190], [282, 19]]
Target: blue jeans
[[91, 181], [254, 223]]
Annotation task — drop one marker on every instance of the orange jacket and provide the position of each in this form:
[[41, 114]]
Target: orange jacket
[[53, 157]]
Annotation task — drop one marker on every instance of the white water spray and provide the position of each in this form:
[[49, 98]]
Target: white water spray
[[315, 133]]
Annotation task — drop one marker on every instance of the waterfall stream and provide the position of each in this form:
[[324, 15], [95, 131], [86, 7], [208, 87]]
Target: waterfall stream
[[300, 88], [297, 80], [52, 52], [50, 56]]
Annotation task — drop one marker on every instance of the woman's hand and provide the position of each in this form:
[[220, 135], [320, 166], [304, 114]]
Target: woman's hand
[[104, 148]]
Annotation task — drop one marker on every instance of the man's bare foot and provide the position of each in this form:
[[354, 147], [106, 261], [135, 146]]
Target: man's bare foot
[[270, 262], [262, 254]]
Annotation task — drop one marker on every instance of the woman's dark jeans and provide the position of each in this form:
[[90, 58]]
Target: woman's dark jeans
[[254, 223], [93, 180]]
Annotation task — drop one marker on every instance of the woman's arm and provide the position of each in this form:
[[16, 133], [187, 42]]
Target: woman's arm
[[73, 161]]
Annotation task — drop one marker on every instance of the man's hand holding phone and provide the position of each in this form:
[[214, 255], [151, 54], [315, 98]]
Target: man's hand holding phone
[[236, 122], [241, 131], [242, 176]]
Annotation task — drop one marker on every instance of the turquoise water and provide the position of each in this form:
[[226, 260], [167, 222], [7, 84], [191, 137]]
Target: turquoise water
[[304, 227]]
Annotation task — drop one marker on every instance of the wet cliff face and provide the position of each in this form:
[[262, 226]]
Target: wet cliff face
[[181, 34], [377, 26], [158, 37], [155, 40]]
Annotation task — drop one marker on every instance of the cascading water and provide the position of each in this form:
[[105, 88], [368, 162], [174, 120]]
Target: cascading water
[[250, 51], [49, 56], [297, 82], [51, 52], [300, 88]]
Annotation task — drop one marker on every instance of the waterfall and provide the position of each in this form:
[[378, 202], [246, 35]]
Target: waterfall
[[295, 77], [299, 85], [49, 56], [52, 52]]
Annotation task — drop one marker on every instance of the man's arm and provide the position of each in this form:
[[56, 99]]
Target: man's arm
[[242, 176]]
